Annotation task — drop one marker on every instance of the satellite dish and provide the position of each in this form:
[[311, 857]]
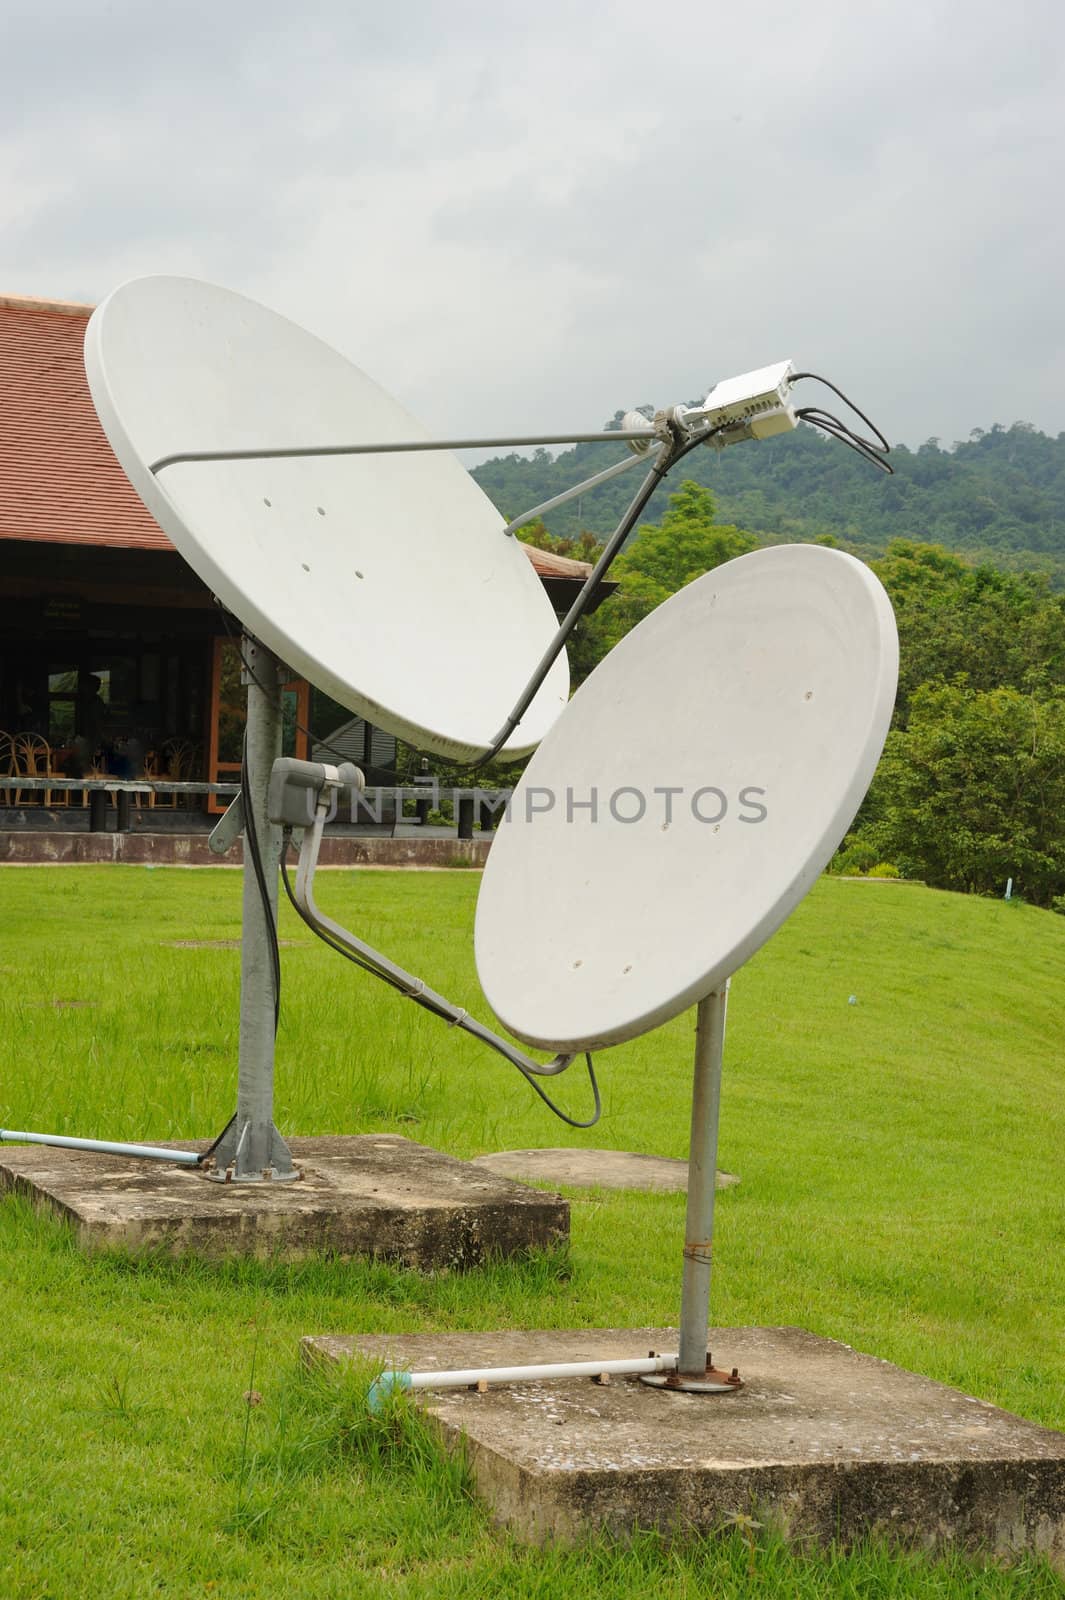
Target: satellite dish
[[698, 783], [670, 820], [384, 579]]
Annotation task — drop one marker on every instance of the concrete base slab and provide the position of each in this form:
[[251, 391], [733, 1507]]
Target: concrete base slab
[[363, 1195], [822, 1441], [597, 1169]]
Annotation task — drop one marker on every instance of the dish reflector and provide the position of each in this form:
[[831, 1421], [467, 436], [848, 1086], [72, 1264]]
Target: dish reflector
[[695, 787], [384, 579]]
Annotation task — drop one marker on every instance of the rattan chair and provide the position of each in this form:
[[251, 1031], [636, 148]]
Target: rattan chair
[[178, 759], [32, 758], [152, 771], [7, 767]]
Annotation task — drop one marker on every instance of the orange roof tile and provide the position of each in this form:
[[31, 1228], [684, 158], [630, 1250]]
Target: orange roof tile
[[548, 565], [59, 478]]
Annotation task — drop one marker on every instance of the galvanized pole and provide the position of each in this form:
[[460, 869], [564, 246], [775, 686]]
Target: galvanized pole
[[702, 1174], [251, 1149]]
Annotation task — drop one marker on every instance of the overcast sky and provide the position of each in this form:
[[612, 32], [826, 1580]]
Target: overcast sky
[[529, 216]]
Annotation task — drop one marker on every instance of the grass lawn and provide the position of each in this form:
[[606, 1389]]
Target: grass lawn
[[901, 1159]]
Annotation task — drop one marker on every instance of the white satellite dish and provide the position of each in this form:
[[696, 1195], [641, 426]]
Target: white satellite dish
[[681, 807], [698, 783], [675, 814], [355, 550], [384, 579]]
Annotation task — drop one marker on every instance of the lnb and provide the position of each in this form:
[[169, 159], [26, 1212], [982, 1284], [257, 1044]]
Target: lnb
[[297, 788], [753, 406]]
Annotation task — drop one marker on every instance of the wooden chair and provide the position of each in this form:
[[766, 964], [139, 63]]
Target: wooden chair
[[7, 766], [33, 759], [152, 765], [182, 759], [155, 768], [178, 759]]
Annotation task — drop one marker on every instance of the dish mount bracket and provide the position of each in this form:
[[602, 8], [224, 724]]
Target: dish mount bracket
[[250, 1149]]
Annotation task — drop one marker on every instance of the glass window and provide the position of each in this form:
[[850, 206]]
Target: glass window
[[62, 703], [60, 720]]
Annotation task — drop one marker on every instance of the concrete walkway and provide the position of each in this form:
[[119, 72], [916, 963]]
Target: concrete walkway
[[596, 1169]]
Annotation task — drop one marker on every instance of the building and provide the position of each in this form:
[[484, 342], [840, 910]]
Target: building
[[112, 651]]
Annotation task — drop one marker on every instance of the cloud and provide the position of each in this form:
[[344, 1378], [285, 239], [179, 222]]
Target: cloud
[[526, 218]]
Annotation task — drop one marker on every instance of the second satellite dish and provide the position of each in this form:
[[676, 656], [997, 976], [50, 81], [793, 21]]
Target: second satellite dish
[[386, 580], [698, 783]]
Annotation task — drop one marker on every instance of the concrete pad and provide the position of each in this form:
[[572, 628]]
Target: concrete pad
[[823, 1442], [363, 1195], [596, 1169]]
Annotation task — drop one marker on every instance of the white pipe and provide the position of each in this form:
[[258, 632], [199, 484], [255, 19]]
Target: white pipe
[[147, 1152], [467, 1377]]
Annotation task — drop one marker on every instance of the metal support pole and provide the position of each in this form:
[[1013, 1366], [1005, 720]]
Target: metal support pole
[[702, 1174], [251, 1148], [648, 435]]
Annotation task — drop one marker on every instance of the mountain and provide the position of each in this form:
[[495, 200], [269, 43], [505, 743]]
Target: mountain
[[998, 496]]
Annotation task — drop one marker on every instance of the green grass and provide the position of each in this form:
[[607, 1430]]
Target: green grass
[[901, 1166]]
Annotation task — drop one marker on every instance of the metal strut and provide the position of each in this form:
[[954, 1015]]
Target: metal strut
[[673, 436], [403, 447], [366, 956]]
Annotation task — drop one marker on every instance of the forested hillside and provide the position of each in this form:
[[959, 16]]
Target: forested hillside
[[971, 790], [998, 496]]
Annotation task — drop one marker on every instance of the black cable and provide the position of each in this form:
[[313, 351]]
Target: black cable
[[847, 401], [209, 1152], [559, 1113], [428, 1005], [833, 424], [251, 839], [835, 429], [859, 450]]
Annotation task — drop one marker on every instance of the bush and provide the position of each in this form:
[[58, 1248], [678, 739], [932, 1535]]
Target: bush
[[885, 869], [853, 857]]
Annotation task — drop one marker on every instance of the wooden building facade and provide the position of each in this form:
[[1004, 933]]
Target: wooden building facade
[[114, 656]]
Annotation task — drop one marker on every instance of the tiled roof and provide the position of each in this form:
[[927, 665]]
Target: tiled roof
[[59, 479], [548, 565]]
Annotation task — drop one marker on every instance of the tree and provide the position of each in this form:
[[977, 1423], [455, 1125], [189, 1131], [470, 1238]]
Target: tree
[[972, 791], [990, 627], [659, 561], [687, 542]]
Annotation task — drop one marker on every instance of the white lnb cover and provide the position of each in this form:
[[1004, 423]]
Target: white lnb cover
[[384, 579], [736, 399], [688, 797]]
